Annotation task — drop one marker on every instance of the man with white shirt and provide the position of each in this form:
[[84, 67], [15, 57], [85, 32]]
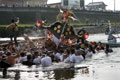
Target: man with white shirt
[[22, 58], [46, 60], [89, 53], [57, 55], [78, 58], [37, 58], [66, 59], [72, 55]]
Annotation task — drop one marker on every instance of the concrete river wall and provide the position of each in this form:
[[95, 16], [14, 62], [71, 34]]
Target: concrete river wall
[[29, 15]]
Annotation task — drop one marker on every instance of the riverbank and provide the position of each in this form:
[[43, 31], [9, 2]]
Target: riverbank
[[29, 29], [98, 29]]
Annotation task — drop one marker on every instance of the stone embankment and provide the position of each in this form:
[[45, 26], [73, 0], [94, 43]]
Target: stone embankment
[[97, 29]]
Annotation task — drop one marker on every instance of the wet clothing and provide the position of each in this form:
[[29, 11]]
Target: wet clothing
[[77, 59], [46, 61], [67, 60], [89, 54], [4, 66], [37, 60], [22, 59], [71, 57], [28, 63]]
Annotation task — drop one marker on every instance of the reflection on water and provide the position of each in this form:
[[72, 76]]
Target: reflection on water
[[99, 67], [64, 74]]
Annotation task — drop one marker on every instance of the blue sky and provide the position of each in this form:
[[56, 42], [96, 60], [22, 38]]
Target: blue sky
[[110, 3]]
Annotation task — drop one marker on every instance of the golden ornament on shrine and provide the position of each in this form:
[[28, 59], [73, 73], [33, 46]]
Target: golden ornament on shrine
[[70, 33], [58, 31], [58, 26], [55, 28]]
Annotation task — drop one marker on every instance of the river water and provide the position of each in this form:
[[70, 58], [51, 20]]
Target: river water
[[99, 67]]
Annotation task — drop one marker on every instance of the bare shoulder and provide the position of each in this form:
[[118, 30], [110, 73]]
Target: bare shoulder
[[11, 25]]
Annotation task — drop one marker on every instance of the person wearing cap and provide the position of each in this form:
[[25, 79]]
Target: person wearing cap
[[14, 27]]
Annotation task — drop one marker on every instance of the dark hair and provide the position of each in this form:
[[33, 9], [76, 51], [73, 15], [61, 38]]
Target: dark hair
[[68, 51], [29, 57], [22, 54], [61, 51], [72, 51], [8, 54], [12, 20], [36, 53], [107, 46], [91, 48], [48, 54]]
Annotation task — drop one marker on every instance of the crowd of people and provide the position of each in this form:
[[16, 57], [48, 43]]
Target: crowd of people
[[42, 54]]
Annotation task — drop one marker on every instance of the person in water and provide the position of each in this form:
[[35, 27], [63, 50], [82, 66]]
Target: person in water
[[8, 61], [107, 49], [111, 38], [14, 30]]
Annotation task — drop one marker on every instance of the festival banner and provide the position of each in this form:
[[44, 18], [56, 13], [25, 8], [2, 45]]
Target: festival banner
[[69, 32], [56, 29]]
